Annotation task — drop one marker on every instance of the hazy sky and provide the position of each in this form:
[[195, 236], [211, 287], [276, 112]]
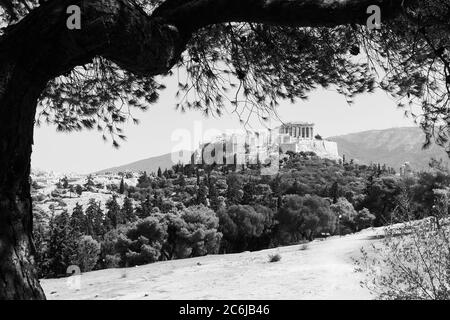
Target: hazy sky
[[156, 134]]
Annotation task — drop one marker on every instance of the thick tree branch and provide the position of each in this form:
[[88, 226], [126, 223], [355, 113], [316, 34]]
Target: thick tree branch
[[150, 45], [114, 29], [190, 15]]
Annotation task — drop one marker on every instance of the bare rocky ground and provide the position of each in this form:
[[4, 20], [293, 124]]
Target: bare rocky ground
[[324, 269]]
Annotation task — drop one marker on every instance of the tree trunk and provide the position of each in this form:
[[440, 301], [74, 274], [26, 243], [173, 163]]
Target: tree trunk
[[18, 97], [28, 60]]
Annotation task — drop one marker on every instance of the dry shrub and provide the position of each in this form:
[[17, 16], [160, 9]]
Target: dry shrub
[[412, 261], [274, 257]]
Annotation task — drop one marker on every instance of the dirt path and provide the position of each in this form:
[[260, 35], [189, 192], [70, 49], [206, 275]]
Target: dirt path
[[323, 271]]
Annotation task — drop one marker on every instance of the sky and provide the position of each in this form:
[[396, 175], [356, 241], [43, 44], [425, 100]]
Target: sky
[[163, 129]]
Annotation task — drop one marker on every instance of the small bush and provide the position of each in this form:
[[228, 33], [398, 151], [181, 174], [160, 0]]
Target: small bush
[[112, 261], [304, 247], [274, 257]]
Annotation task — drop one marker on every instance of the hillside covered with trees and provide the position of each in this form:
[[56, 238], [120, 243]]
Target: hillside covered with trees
[[191, 211]]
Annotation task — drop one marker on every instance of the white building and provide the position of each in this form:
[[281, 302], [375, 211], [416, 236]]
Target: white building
[[299, 130], [252, 147], [299, 137]]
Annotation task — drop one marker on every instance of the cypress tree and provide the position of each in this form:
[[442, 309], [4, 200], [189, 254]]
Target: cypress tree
[[122, 187], [214, 197], [334, 192], [113, 215], [61, 247], [128, 210], [202, 193], [78, 220], [145, 208], [95, 220]]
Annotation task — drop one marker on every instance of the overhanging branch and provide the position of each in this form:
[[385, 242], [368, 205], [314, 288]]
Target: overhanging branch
[[114, 29], [150, 45], [190, 15]]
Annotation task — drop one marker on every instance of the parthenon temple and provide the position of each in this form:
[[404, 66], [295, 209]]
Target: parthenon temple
[[251, 147], [301, 130]]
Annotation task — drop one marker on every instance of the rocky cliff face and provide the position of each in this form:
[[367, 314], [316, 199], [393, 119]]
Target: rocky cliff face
[[323, 148]]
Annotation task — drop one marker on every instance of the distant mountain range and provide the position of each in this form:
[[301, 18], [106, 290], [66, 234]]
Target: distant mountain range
[[392, 147], [151, 164]]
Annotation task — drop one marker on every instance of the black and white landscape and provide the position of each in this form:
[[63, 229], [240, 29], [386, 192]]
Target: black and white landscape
[[211, 150]]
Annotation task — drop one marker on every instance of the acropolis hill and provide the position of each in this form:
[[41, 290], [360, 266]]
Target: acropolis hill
[[253, 146]]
